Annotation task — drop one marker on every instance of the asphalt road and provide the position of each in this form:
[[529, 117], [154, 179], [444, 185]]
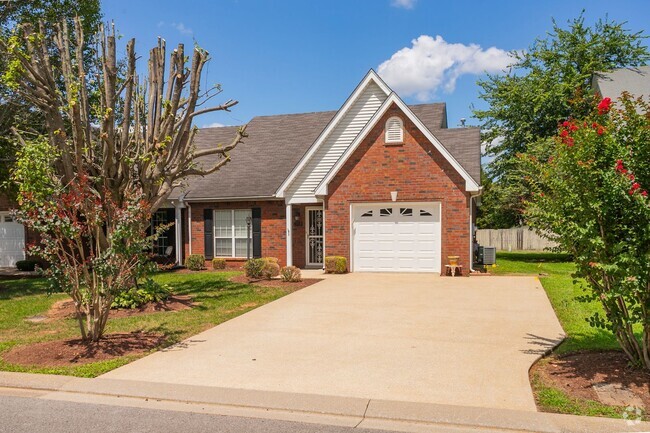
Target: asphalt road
[[33, 415]]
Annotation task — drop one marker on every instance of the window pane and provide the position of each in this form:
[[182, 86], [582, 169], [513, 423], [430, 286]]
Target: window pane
[[240, 223], [223, 223], [385, 211], [224, 247], [240, 247]]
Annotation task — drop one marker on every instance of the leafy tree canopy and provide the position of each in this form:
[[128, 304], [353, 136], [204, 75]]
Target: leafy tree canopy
[[14, 109], [545, 85]]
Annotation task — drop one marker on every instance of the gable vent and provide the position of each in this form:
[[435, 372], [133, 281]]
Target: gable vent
[[394, 130]]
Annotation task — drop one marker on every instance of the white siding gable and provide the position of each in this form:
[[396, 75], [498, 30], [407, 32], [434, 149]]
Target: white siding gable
[[335, 144]]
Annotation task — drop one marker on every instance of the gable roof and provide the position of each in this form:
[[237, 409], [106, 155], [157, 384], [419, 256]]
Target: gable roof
[[470, 183], [636, 81], [278, 145]]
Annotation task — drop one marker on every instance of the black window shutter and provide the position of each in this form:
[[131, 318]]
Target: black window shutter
[[171, 231], [256, 214], [208, 233]]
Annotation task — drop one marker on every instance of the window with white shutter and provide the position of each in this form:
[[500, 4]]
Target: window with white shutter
[[394, 130]]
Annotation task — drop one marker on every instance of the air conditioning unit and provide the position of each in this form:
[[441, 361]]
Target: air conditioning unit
[[489, 255]]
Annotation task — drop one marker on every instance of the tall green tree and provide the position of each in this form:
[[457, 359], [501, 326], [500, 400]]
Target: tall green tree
[[15, 110], [545, 85]]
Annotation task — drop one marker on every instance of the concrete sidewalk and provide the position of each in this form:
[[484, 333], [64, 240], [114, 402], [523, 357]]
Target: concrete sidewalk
[[351, 412], [397, 337]]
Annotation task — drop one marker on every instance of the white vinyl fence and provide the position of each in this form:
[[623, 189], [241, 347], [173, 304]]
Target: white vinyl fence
[[514, 239]]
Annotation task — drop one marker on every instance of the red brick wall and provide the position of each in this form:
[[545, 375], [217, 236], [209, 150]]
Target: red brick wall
[[416, 170], [273, 228], [298, 236]]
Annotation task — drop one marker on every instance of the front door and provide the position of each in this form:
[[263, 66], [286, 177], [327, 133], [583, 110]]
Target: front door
[[314, 234]]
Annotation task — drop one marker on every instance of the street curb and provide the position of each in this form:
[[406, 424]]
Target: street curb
[[379, 414]]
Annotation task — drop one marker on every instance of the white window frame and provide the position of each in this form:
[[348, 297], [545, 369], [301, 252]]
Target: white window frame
[[387, 139], [233, 235]]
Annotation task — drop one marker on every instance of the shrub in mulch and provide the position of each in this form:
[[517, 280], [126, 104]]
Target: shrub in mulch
[[66, 353], [577, 373], [276, 282]]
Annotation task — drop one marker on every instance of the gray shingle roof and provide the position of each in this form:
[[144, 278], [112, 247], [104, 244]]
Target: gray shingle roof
[[275, 145], [636, 81]]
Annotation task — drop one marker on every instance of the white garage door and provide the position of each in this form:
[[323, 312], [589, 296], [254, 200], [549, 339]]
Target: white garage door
[[396, 237], [12, 241]]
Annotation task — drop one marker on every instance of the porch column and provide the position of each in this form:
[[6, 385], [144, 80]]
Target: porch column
[[288, 219], [179, 234]]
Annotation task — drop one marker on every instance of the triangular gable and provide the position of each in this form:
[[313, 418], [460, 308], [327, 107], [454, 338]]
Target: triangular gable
[[371, 77], [470, 183]]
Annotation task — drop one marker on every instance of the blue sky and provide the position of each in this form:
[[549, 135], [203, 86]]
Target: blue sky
[[301, 56]]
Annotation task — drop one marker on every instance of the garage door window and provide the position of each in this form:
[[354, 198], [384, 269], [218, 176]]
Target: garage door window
[[425, 213], [406, 211], [386, 211]]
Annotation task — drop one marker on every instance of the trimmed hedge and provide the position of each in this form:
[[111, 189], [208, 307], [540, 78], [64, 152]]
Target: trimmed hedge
[[28, 265], [336, 265], [218, 263], [266, 267], [195, 262]]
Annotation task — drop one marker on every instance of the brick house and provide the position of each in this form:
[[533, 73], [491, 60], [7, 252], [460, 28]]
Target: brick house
[[386, 185]]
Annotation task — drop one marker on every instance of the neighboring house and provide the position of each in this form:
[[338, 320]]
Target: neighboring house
[[635, 81], [12, 235], [384, 184]]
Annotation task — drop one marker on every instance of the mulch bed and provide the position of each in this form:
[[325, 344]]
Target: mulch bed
[[65, 309], [577, 373], [67, 353], [285, 285]]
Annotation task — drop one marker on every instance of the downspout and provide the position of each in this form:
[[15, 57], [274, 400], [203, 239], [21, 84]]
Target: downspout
[[472, 200]]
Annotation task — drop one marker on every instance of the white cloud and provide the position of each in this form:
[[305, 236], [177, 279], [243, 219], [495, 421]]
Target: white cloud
[[406, 4], [182, 29], [214, 125], [433, 63]]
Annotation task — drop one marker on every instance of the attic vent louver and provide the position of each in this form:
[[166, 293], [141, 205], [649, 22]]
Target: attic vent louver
[[394, 130]]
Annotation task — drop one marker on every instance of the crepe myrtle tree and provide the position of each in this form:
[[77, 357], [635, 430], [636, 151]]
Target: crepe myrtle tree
[[592, 195], [113, 161]]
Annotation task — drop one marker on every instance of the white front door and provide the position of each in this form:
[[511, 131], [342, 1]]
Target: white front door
[[12, 241], [396, 237], [314, 232]]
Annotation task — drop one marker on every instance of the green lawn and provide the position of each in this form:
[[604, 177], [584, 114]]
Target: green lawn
[[218, 298], [554, 271]]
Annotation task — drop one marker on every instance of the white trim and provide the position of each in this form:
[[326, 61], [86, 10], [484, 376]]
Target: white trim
[[371, 76], [470, 184], [226, 199], [179, 235], [307, 209], [233, 238], [289, 224], [189, 228]]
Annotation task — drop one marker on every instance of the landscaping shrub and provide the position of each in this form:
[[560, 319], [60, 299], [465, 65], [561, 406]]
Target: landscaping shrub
[[149, 291], [195, 262], [291, 274], [27, 265], [218, 263], [271, 269], [336, 265], [254, 268]]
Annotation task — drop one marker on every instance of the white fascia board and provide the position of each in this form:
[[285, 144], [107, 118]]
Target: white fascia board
[[303, 200], [470, 184], [371, 76]]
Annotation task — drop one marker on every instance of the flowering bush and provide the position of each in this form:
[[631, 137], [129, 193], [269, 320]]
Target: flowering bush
[[94, 242], [592, 195]]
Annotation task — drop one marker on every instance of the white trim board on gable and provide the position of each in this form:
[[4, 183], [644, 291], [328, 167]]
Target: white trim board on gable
[[470, 184], [334, 141]]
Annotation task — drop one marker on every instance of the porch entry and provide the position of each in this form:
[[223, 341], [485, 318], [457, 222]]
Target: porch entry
[[314, 234]]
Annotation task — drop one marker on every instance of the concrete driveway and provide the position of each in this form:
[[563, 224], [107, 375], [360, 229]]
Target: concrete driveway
[[402, 337]]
